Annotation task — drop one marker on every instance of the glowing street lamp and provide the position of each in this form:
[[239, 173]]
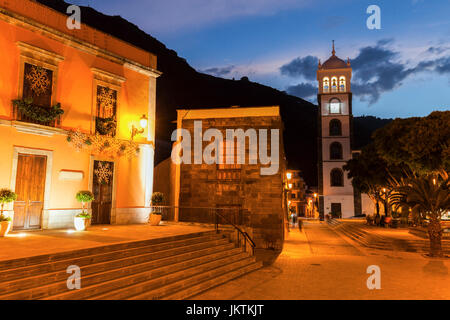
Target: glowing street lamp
[[143, 122], [289, 175]]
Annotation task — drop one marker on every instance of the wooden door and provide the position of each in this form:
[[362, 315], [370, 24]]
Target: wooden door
[[102, 189], [30, 187], [336, 210]]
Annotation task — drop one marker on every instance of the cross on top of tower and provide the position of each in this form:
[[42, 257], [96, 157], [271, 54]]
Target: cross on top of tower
[[333, 52]]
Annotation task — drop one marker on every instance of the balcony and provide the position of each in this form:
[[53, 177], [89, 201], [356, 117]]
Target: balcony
[[26, 111]]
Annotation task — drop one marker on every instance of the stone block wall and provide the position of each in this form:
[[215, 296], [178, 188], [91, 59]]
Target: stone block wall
[[258, 198]]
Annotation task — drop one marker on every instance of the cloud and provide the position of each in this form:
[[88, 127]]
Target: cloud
[[304, 90], [219, 71], [376, 69], [443, 65], [305, 67]]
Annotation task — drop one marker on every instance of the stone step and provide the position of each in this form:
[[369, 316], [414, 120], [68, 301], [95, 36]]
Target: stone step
[[46, 258], [363, 236], [213, 282], [53, 283], [222, 274], [193, 243], [152, 269], [154, 288]]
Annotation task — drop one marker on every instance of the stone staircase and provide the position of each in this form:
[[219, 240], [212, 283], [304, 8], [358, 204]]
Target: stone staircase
[[166, 268], [362, 234]]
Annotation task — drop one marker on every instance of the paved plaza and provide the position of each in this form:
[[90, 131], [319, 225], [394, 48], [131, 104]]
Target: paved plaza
[[319, 263], [23, 244]]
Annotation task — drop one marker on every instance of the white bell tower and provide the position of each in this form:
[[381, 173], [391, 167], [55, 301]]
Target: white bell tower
[[336, 193]]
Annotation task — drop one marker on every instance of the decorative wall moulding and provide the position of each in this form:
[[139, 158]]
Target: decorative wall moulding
[[39, 53], [107, 76], [71, 175], [36, 129]]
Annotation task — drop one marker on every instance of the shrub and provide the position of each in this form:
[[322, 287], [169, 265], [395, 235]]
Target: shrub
[[157, 198], [84, 197], [6, 196], [84, 215]]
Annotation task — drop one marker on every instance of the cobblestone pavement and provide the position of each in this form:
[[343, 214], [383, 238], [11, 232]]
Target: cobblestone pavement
[[318, 263]]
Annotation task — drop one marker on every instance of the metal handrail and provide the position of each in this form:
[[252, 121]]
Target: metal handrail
[[245, 234], [217, 215]]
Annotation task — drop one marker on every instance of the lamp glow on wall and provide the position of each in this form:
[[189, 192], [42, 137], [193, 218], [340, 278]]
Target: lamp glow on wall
[[143, 122]]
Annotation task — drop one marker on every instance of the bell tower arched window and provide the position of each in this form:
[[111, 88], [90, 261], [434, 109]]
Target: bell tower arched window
[[335, 106], [335, 151], [334, 84], [326, 84], [335, 127], [337, 178], [342, 84]]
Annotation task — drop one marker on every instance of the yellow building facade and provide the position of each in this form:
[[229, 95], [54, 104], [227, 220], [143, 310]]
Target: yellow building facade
[[83, 118]]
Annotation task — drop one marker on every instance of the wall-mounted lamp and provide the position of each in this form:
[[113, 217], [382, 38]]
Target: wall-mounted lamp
[[289, 175], [143, 124]]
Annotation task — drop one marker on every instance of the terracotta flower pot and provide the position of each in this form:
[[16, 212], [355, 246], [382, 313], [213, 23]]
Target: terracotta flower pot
[[80, 223], [155, 219], [5, 227]]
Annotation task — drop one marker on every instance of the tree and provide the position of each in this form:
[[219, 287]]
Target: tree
[[422, 145], [429, 195], [370, 174]]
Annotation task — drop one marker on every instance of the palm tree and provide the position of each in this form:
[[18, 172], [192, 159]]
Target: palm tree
[[429, 195]]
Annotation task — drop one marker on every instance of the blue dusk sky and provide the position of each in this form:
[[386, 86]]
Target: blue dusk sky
[[401, 70]]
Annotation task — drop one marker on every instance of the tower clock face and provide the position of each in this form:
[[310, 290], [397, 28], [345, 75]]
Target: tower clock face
[[335, 107]]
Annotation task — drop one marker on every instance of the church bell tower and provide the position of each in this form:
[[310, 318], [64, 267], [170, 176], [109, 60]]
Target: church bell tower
[[336, 194]]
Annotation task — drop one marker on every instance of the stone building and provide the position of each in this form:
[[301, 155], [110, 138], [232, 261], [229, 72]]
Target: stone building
[[296, 196], [247, 197]]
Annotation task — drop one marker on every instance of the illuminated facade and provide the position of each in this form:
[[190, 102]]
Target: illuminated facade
[[79, 95], [296, 193], [336, 194]]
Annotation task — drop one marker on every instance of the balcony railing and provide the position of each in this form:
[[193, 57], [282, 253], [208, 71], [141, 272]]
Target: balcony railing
[[20, 116]]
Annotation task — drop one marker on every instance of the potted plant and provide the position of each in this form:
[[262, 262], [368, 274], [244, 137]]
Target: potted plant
[[82, 220], [6, 196], [156, 214]]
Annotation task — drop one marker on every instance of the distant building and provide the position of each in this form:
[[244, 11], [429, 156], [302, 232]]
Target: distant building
[[296, 195], [256, 199], [336, 194]]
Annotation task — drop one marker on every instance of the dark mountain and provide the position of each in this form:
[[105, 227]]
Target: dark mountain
[[363, 128], [181, 86]]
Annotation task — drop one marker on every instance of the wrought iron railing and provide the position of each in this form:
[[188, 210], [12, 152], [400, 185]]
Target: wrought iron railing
[[20, 116], [232, 217]]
